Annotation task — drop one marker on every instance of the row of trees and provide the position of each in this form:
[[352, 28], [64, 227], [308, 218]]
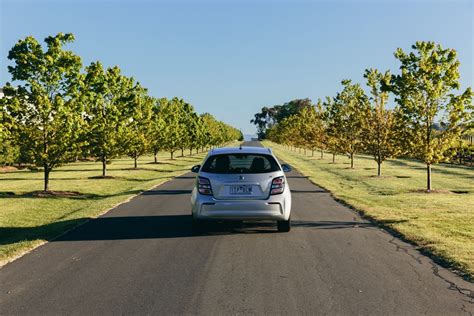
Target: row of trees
[[428, 122], [59, 111]]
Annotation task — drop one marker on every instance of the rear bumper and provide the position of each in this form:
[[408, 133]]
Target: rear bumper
[[276, 207]]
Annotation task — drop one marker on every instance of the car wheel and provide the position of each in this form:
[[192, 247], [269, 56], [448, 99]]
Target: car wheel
[[284, 226], [198, 226]]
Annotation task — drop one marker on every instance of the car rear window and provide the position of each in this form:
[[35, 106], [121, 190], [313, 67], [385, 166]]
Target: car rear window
[[240, 163]]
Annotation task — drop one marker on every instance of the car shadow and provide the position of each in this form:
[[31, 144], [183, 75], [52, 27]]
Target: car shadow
[[152, 227]]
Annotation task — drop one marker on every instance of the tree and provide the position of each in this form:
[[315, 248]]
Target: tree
[[346, 117], [212, 130], [173, 131], [331, 132], [43, 106], [379, 138], [321, 128], [269, 116], [194, 131], [106, 93], [156, 130], [136, 134], [9, 152], [425, 91], [188, 122]]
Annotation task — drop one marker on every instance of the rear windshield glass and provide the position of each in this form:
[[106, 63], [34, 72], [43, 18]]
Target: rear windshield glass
[[240, 163]]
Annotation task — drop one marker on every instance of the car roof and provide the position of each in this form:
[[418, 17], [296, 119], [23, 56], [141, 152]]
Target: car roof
[[241, 150]]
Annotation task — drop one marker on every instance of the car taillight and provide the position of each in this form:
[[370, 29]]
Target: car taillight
[[278, 185], [204, 186]]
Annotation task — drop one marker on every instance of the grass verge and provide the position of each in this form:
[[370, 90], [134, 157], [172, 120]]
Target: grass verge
[[440, 223], [29, 218]]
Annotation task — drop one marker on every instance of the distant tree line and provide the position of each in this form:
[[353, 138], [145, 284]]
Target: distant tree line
[[58, 112], [432, 121]]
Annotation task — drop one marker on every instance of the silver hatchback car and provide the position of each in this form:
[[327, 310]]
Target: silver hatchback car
[[243, 183]]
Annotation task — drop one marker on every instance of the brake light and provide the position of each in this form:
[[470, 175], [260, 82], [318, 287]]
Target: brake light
[[278, 186], [204, 186]]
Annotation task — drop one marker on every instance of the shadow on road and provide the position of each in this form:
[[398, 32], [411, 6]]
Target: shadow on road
[[152, 227], [166, 192], [330, 224], [308, 191]]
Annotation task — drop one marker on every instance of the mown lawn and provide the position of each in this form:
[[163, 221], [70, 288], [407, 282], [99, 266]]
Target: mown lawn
[[26, 221], [441, 223]]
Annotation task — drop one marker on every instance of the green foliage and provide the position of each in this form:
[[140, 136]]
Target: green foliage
[[9, 152], [379, 134], [56, 114], [346, 119], [136, 132], [157, 126], [267, 117], [106, 94], [173, 130], [425, 91], [44, 106]]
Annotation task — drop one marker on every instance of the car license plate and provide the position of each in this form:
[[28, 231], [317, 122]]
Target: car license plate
[[240, 189]]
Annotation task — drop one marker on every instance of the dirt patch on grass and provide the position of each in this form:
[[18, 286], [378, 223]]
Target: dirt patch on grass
[[54, 194], [380, 177], [102, 177], [433, 191], [8, 169]]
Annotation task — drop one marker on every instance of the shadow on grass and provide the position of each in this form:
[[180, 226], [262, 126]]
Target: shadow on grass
[[24, 179], [162, 163], [440, 169], [79, 196]]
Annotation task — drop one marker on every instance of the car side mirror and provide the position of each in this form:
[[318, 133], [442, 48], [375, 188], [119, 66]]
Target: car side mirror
[[285, 167], [196, 168]]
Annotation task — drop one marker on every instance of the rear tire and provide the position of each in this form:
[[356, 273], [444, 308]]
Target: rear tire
[[284, 226], [198, 226]]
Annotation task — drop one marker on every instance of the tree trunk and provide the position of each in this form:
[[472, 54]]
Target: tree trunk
[[155, 155], [197, 150], [190, 151], [182, 152], [312, 153], [171, 153], [379, 169], [428, 177], [305, 151], [46, 178], [322, 153], [135, 162], [352, 160], [333, 158], [104, 166]]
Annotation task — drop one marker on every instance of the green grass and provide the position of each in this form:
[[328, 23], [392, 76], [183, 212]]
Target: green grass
[[27, 221], [441, 223]]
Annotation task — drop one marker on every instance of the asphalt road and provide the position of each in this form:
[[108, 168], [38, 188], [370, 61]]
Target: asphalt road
[[142, 258]]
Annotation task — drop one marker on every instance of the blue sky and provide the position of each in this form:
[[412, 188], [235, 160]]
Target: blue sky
[[231, 58]]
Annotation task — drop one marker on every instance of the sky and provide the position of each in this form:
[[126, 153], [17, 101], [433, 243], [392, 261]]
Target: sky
[[230, 58]]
